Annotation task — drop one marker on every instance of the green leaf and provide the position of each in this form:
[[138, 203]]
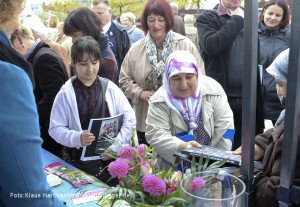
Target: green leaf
[[173, 200], [142, 196], [205, 164], [200, 164], [193, 166]]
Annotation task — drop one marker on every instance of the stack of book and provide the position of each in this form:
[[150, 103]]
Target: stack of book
[[52, 179], [75, 177]]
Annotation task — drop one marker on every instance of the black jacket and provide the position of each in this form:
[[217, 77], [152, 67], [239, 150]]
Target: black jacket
[[8, 54], [216, 35], [272, 41], [49, 75], [123, 42]]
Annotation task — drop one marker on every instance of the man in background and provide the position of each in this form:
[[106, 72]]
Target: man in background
[[222, 44], [179, 25], [119, 40]]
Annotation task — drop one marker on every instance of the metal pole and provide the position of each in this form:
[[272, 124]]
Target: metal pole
[[290, 141], [249, 95]]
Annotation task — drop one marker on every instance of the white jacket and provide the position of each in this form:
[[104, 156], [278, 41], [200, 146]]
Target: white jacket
[[65, 125]]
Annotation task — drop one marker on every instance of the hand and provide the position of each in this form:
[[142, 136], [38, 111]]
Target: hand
[[238, 11], [146, 95], [258, 152], [189, 144], [86, 138], [238, 151]]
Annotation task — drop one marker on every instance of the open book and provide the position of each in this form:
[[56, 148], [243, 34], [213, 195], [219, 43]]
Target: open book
[[101, 128]]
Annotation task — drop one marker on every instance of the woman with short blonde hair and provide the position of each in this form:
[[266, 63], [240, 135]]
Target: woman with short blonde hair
[[134, 33]]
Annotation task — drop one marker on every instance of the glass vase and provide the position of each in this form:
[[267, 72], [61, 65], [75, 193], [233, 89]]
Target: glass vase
[[220, 190]]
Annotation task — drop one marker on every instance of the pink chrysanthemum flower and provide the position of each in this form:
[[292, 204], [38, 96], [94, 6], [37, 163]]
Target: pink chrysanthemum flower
[[197, 183], [171, 187], [153, 185], [140, 150], [125, 152], [118, 168], [170, 191]]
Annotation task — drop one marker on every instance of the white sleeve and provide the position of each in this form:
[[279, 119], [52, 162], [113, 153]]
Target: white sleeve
[[60, 128]]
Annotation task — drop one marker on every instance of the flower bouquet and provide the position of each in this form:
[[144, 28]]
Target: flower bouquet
[[141, 183]]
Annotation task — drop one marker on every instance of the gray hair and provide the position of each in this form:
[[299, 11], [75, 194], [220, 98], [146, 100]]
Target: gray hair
[[130, 16], [188, 18], [175, 7]]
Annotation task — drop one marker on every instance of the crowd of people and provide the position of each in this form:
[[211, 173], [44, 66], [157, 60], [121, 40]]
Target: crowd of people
[[169, 76]]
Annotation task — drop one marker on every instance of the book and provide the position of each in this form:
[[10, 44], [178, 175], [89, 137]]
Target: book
[[102, 128], [76, 178], [87, 196], [57, 168], [52, 179]]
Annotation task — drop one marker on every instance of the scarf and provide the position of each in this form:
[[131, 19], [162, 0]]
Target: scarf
[[151, 51], [189, 108], [30, 51], [280, 119]]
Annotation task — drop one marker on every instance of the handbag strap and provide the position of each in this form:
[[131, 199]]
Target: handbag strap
[[100, 105]]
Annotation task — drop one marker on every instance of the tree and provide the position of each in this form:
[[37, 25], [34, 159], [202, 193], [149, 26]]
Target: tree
[[189, 4], [121, 6], [61, 8]]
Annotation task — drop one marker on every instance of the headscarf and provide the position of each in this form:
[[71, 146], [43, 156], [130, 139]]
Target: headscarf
[[279, 70], [279, 67], [183, 62]]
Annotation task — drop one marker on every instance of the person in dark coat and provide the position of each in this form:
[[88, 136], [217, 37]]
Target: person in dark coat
[[221, 37], [268, 146], [119, 40], [49, 74], [274, 37]]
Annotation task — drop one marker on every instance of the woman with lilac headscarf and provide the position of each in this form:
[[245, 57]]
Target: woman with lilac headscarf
[[188, 105]]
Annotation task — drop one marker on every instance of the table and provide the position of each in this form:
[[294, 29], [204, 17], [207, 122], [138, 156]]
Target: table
[[64, 191]]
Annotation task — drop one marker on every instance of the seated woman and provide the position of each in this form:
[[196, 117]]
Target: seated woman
[[76, 101], [187, 102], [268, 146]]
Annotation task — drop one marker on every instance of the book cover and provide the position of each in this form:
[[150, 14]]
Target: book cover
[[57, 168], [76, 178], [101, 128]]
